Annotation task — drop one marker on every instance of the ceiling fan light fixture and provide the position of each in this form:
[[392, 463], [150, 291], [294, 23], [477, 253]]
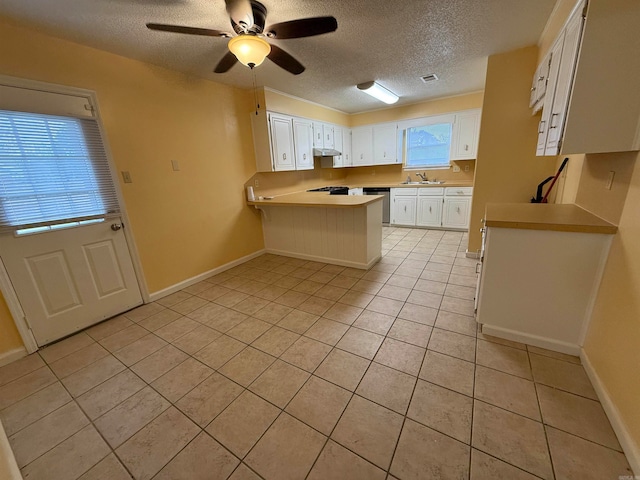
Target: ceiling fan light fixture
[[378, 91], [250, 50]]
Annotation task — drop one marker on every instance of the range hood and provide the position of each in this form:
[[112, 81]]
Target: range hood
[[326, 152]]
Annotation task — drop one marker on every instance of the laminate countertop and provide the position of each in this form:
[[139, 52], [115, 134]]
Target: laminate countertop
[[546, 216], [317, 199]]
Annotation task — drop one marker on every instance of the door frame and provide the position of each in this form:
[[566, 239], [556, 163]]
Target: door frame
[[6, 287]]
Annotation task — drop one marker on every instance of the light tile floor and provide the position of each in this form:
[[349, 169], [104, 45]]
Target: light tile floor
[[284, 369]]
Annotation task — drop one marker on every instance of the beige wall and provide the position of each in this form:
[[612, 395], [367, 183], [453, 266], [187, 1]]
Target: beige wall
[[613, 340], [558, 17], [417, 110], [185, 222], [592, 193], [507, 169]]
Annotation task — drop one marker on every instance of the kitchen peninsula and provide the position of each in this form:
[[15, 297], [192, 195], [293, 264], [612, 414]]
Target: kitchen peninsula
[[339, 229]]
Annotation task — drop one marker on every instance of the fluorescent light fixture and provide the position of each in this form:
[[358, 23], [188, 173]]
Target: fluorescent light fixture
[[250, 50], [378, 91]]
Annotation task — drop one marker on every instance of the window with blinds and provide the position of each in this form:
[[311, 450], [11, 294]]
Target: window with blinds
[[53, 170]]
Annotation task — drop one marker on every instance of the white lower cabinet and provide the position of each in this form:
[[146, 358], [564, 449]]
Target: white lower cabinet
[[456, 212], [429, 212], [404, 211], [431, 207]]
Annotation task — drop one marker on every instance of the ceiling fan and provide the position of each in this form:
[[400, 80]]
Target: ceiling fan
[[248, 45]]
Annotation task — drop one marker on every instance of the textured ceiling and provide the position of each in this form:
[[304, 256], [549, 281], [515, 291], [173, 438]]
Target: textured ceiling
[[391, 41]]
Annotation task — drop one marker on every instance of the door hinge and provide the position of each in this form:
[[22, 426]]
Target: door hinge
[[26, 320]]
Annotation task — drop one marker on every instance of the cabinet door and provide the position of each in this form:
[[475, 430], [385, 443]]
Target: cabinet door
[[303, 142], [338, 160], [282, 142], [564, 83], [466, 128], [403, 211], [328, 140], [456, 212], [347, 158], [429, 212], [543, 126], [362, 146], [385, 144], [318, 135]]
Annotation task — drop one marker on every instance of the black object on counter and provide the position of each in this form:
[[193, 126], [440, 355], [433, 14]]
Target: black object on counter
[[339, 190]]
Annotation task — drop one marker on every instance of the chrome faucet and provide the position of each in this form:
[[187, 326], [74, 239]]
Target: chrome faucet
[[423, 176]]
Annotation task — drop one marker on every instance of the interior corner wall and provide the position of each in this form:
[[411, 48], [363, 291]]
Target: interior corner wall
[[613, 340], [184, 222], [9, 337], [507, 169]]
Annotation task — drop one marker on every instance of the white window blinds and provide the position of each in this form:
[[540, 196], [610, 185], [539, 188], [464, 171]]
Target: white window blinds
[[53, 169]]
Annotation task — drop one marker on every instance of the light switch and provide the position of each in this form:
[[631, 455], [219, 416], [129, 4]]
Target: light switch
[[175, 164], [126, 177]]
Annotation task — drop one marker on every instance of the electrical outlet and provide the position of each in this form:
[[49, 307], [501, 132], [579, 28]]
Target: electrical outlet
[[610, 180], [256, 183], [456, 169], [126, 177], [466, 168], [175, 165]]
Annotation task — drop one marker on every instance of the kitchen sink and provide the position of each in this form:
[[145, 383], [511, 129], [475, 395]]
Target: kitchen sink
[[428, 182]]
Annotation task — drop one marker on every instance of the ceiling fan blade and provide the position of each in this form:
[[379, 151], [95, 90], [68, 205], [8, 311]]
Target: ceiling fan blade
[[284, 60], [225, 63], [240, 12], [304, 27], [188, 30]]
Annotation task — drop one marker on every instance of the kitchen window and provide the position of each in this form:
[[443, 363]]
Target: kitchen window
[[428, 146], [53, 170]]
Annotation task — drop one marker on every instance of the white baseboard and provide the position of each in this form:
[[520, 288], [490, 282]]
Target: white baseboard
[[629, 446], [333, 261], [536, 341], [198, 278], [12, 355]]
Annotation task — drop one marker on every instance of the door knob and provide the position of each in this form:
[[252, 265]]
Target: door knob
[[116, 226]]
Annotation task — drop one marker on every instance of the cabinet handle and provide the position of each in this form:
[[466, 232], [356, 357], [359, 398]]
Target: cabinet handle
[[304, 156], [541, 126], [361, 156], [551, 125], [284, 156], [429, 209], [405, 208], [458, 209], [466, 147], [328, 136], [384, 154]]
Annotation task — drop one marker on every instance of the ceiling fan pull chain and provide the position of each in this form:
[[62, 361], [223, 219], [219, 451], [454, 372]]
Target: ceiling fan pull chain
[[255, 90]]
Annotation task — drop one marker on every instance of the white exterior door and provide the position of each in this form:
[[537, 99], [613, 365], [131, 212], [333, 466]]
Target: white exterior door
[[70, 278]]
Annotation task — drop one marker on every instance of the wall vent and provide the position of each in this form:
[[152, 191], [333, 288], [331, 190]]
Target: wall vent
[[429, 78]]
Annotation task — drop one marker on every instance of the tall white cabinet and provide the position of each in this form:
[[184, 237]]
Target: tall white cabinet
[[592, 99]]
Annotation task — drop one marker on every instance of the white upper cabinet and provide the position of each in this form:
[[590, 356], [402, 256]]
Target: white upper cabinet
[[466, 129], [323, 135], [318, 138], [303, 143], [385, 146], [539, 85], [362, 145], [592, 103], [338, 160], [347, 157], [282, 142]]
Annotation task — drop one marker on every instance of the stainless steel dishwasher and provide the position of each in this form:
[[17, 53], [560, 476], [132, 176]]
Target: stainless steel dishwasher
[[386, 201]]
